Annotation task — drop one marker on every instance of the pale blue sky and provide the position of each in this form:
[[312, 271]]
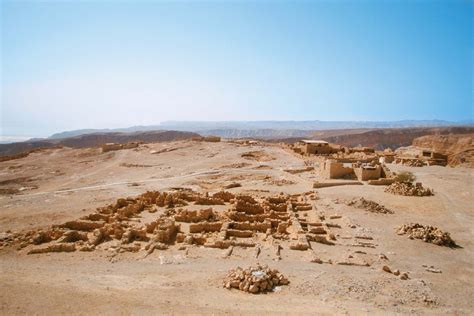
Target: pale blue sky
[[99, 64]]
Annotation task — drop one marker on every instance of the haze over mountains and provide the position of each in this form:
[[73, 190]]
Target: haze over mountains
[[379, 135], [264, 129]]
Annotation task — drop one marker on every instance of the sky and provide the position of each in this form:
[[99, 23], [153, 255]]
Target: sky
[[105, 64]]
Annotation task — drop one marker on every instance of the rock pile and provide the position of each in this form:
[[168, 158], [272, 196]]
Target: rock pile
[[408, 189], [414, 163], [427, 233], [369, 206], [258, 155], [259, 279]]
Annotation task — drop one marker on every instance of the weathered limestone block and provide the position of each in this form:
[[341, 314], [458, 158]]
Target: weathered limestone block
[[320, 239], [243, 243], [222, 244], [166, 231], [195, 216], [260, 227], [300, 244], [72, 236], [131, 235], [54, 248], [204, 200], [317, 230], [96, 217], [131, 209], [205, 227], [239, 233], [41, 237], [97, 236], [223, 232], [82, 225], [282, 226], [248, 205], [224, 196]]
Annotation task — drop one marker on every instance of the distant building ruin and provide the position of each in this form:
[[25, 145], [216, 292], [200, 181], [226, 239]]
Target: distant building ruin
[[333, 169], [314, 147]]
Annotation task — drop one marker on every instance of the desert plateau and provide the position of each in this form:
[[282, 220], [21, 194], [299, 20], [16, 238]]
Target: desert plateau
[[244, 157], [157, 227]]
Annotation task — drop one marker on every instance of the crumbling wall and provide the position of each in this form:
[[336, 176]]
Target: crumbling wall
[[195, 216], [316, 149], [330, 169], [365, 173], [205, 227]]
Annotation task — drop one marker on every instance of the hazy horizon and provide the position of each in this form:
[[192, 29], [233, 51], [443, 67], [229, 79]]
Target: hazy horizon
[[80, 65], [196, 126]]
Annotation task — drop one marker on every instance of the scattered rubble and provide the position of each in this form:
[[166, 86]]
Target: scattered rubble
[[233, 185], [431, 269], [408, 189], [300, 170], [427, 233], [402, 275], [258, 155], [369, 206], [259, 279]]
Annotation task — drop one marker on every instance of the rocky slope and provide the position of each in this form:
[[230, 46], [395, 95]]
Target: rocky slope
[[392, 137], [458, 147]]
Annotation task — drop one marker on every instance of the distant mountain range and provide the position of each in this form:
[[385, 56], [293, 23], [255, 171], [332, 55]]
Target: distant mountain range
[[265, 129], [375, 134], [93, 140]]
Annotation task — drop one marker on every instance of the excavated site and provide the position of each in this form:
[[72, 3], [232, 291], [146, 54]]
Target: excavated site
[[210, 226]]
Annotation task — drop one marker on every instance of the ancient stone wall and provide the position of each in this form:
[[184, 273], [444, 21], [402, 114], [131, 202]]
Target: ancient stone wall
[[330, 169], [368, 173]]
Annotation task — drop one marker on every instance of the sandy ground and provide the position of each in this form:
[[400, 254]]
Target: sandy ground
[[63, 184]]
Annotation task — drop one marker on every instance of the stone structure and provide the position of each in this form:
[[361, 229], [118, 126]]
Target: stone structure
[[315, 147], [368, 172], [331, 169]]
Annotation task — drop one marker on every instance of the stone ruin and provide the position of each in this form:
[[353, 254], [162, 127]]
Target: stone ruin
[[408, 189], [259, 279], [428, 234], [419, 157], [118, 227]]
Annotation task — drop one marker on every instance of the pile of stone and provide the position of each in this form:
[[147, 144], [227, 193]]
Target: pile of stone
[[429, 234], [414, 163], [369, 206], [259, 279], [408, 189]]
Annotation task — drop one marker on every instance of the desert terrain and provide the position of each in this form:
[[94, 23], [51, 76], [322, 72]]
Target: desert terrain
[[341, 274]]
